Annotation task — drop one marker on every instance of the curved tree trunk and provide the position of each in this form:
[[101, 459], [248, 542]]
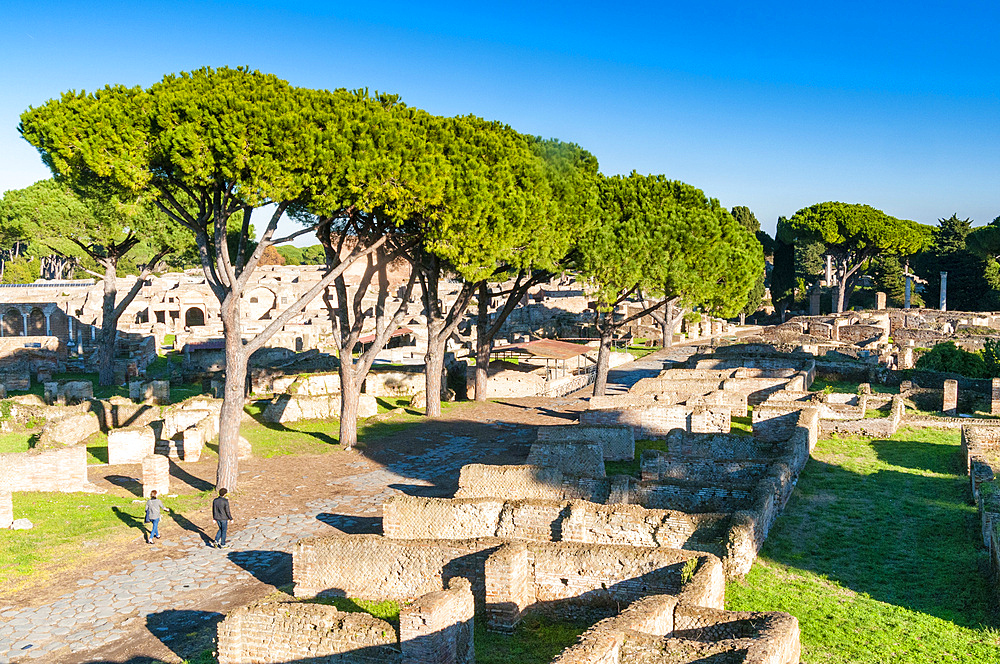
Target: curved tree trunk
[[484, 342], [109, 327], [603, 357], [234, 396]]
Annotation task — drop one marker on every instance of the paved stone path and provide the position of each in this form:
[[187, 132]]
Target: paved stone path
[[103, 607]]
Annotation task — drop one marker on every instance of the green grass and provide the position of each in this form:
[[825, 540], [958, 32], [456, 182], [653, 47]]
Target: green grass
[[97, 448], [16, 441], [537, 640], [878, 556], [386, 610], [742, 426], [849, 387], [639, 352], [631, 467], [63, 524]]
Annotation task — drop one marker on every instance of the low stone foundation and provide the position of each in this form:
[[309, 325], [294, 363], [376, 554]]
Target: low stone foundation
[[130, 444], [438, 627], [657, 421], [285, 632], [617, 442], [577, 459], [6, 509], [63, 470], [292, 408]]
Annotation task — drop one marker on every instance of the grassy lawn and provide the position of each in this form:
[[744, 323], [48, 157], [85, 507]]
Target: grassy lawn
[[16, 441], [849, 387], [876, 554]]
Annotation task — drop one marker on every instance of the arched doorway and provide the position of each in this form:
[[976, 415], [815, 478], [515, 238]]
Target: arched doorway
[[36, 323], [13, 323], [194, 317]]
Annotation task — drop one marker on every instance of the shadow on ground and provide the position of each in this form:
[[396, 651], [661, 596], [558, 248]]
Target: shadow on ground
[[272, 567], [353, 525]]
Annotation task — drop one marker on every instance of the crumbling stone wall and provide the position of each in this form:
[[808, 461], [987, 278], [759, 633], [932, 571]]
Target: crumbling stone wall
[[272, 632], [617, 442], [130, 444], [532, 575], [438, 627], [527, 481], [292, 408], [412, 517], [62, 470], [657, 421], [577, 459]]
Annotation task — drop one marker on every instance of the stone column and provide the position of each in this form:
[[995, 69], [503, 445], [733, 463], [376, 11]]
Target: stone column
[[829, 270], [880, 300], [944, 291], [24, 331], [155, 475], [949, 404], [6, 509], [814, 300], [48, 323], [995, 398], [906, 293]]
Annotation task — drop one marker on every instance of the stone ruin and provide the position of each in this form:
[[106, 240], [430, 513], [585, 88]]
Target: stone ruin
[[981, 455], [311, 396], [558, 536]]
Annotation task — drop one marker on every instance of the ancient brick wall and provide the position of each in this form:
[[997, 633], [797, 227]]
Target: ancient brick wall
[[265, 633], [155, 475], [49, 470], [519, 482], [438, 627], [576, 459], [412, 517], [617, 442], [657, 466], [6, 509], [667, 383], [130, 444], [657, 421]]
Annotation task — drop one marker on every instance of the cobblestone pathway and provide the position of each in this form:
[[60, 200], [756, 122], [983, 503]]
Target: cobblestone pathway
[[105, 605]]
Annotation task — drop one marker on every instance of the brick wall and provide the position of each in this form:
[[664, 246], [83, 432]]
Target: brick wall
[[49, 470], [576, 459], [507, 578], [617, 442], [650, 422], [284, 632], [519, 482], [292, 408], [657, 466], [438, 627], [6, 509], [155, 475], [412, 517], [130, 444]]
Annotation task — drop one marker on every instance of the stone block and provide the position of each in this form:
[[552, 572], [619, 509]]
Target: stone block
[[571, 458], [69, 430], [438, 627], [880, 300], [995, 397], [617, 442], [160, 392], [155, 475], [244, 448], [62, 469], [130, 444], [6, 509], [949, 401]]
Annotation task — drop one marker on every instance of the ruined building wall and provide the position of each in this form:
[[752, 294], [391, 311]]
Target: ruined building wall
[[51, 470]]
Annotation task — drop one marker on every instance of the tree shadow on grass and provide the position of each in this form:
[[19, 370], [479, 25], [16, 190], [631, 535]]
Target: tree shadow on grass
[[933, 457], [130, 521], [899, 537], [133, 485]]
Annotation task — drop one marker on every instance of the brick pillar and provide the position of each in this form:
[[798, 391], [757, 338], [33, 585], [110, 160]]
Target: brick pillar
[[155, 475], [6, 509], [508, 589], [995, 398], [161, 392], [437, 628], [814, 296], [950, 402], [880, 300]]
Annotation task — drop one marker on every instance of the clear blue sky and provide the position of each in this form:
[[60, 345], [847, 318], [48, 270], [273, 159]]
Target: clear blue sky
[[775, 106]]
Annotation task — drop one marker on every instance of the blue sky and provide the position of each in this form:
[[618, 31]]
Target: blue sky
[[775, 106]]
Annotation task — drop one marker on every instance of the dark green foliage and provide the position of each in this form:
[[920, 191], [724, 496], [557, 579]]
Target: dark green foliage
[[783, 275], [973, 279], [991, 357], [948, 357], [291, 254], [745, 217], [810, 261], [889, 277]]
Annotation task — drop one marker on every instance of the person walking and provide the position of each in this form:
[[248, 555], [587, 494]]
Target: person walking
[[153, 508], [222, 516]]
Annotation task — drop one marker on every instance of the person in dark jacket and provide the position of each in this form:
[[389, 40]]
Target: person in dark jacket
[[222, 516]]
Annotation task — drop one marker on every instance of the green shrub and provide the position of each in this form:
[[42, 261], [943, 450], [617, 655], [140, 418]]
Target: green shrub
[[948, 357]]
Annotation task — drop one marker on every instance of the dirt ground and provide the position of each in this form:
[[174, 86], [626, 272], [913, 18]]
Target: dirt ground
[[281, 485]]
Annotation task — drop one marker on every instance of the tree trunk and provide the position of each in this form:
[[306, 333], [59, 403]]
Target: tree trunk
[[109, 327], [434, 368], [350, 395], [483, 342], [603, 358], [234, 396], [668, 325]]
